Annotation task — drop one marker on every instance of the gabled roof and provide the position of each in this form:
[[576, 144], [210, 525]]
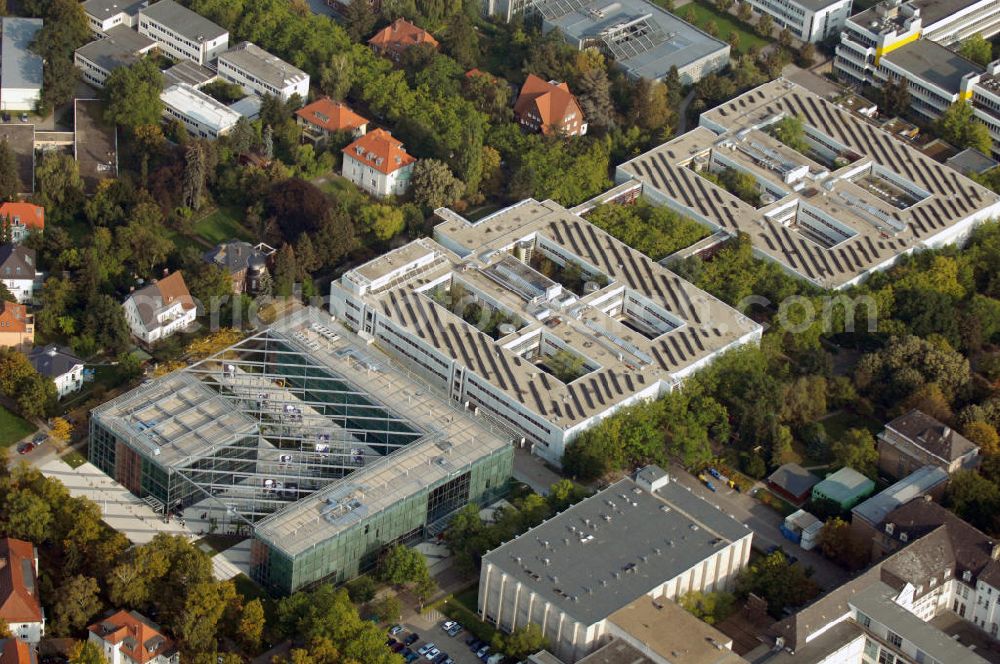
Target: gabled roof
[[17, 262], [53, 361], [793, 478], [237, 255], [18, 582], [549, 100], [931, 435], [379, 150], [140, 639], [14, 316], [400, 35], [331, 115], [151, 300], [25, 214], [16, 651]]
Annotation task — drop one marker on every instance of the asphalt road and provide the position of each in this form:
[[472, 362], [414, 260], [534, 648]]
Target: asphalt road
[[765, 523]]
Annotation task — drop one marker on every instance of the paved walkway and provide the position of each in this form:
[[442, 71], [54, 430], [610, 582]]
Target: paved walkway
[[532, 471], [120, 509]]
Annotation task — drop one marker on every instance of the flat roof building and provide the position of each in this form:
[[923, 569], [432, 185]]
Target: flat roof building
[[102, 15], [202, 115], [853, 202], [20, 67], [257, 71], [846, 487], [869, 516], [808, 20], [538, 319], [182, 33], [607, 559], [95, 143], [120, 46], [299, 434], [645, 40]]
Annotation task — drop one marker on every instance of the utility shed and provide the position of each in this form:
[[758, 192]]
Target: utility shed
[[846, 487]]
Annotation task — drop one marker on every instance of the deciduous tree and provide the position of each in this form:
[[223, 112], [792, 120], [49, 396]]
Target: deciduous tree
[[132, 94]]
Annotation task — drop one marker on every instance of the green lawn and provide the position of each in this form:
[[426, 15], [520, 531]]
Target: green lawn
[[13, 428], [727, 23], [222, 224], [837, 425], [74, 459]]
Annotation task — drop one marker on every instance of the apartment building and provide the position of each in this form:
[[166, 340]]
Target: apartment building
[[257, 71], [202, 115], [160, 309], [102, 15], [809, 20], [851, 202], [119, 46], [537, 319], [630, 549], [181, 33]]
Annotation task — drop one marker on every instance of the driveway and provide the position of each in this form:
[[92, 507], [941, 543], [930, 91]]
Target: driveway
[[764, 522], [428, 626]]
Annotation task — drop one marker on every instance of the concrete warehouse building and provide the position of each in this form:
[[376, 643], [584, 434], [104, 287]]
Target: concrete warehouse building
[[288, 435], [852, 202], [641, 539], [545, 357]]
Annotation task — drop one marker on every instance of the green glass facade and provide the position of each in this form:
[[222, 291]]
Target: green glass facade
[[354, 550]]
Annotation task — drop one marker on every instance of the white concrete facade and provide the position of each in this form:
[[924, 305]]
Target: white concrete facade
[[202, 115], [807, 21], [257, 71], [374, 181], [170, 320], [179, 43]]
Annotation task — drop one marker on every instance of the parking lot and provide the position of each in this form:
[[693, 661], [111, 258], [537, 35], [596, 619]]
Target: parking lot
[[429, 631]]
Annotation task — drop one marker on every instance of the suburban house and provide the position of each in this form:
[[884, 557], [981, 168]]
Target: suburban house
[[916, 439], [549, 107], [394, 39], [18, 273], [18, 219], [377, 163], [245, 263], [17, 326], [128, 637], [64, 368], [325, 117], [16, 651], [20, 607], [160, 309]]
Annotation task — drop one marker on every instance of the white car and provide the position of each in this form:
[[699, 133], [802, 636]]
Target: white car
[[424, 648], [431, 654], [448, 624]]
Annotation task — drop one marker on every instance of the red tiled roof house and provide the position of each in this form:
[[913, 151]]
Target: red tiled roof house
[[20, 607], [377, 163], [549, 107], [394, 39], [128, 637], [17, 326], [18, 219], [324, 117]]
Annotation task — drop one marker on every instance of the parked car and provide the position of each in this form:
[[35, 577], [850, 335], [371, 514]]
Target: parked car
[[495, 658], [424, 649], [397, 647], [455, 630], [25, 448], [40, 438], [482, 652], [448, 624], [431, 654], [470, 639], [476, 645], [410, 656], [440, 658], [6, 117], [395, 629], [411, 639], [24, 117], [448, 660]]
